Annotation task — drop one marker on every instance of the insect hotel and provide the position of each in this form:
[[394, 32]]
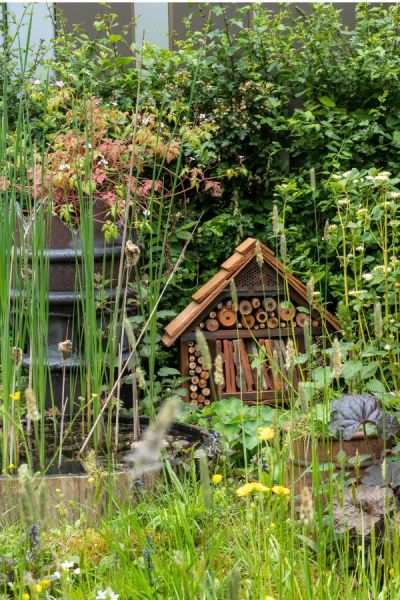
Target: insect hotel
[[268, 308]]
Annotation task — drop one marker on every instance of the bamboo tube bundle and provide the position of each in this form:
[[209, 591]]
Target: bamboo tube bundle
[[256, 303], [261, 316], [199, 389], [270, 304], [273, 323], [212, 324], [245, 307], [248, 321]]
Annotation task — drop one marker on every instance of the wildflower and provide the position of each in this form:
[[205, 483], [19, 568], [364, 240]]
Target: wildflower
[[280, 490], [356, 293], [38, 588], [25, 596], [45, 583], [216, 478], [219, 371], [367, 276], [394, 195], [266, 433], [336, 359], [382, 269], [306, 506], [343, 201], [102, 162], [65, 348], [56, 575], [37, 82], [91, 481], [107, 594], [387, 347], [360, 248], [360, 548], [394, 223], [67, 565], [378, 326], [269, 598], [392, 572], [248, 488], [11, 467], [132, 253], [64, 167], [15, 396], [59, 84], [362, 212], [77, 571], [202, 117], [272, 525]]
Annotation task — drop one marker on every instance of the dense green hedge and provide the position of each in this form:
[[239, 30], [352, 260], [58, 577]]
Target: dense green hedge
[[291, 93]]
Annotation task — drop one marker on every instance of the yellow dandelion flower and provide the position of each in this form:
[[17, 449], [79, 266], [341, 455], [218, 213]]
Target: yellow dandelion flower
[[216, 478], [269, 598], [15, 396], [25, 596], [11, 467], [272, 525], [281, 490], [259, 487], [244, 490], [392, 572], [266, 433], [45, 583], [359, 548], [91, 481], [38, 588]]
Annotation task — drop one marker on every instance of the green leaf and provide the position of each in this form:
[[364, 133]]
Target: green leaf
[[114, 37], [168, 371], [327, 101]]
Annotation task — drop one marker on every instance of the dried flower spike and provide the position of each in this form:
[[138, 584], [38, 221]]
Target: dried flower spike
[[234, 296], [259, 256], [283, 247], [336, 359], [290, 354], [31, 405], [306, 506], [378, 324], [275, 220], [132, 254], [16, 355], [310, 290], [65, 348], [219, 370], [203, 349]]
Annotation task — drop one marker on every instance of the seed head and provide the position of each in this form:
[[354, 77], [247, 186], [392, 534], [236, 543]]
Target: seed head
[[312, 180], [16, 355], [283, 247], [275, 220], [234, 296], [336, 359], [327, 232], [65, 348], [310, 290], [132, 253], [259, 256], [290, 354], [31, 405]]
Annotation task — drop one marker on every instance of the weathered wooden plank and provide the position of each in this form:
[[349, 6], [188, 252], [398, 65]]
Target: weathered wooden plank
[[244, 359], [240, 378], [230, 386]]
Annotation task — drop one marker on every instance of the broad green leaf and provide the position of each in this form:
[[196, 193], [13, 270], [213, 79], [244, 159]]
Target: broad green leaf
[[327, 101]]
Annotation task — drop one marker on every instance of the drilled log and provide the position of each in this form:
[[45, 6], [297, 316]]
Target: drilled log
[[193, 395], [190, 344], [261, 316], [206, 391], [273, 322], [192, 372], [207, 401], [195, 380], [287, 313], [200, 360], [193, 387], [255, 302], [191, 350], [204, 375], [315, 323], [270, 304], [248, 321], [192, 365], [202, 325], [202, 383], [228, 304], [198, 369], [200, 398], [302, 319], [245, 307], [226, 317], [212, 314], [262, 325], [212, 325]]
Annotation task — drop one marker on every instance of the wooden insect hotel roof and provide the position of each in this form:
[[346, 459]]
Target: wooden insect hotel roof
[[244, 254], [272, 308]]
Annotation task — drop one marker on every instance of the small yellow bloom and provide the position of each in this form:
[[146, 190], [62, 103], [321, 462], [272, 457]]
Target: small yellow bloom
[[11, 467], [45, 583], [265, 434], [244, 490], [392, 572], [359, 548], [58, 491], [25, 596], [216, 478], [248, 488], [38, 588], [269, 598], [259, 487], [15, 396], [91, 481], [280, 490]]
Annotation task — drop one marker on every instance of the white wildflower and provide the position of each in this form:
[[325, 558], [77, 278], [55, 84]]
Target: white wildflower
[[343, 202], [107, 594], [77, 571], [64, 167], [356, 293], [394, 195], [59, 84], [387, 347], [367, 276], [68, 564], [37, 82], [360, 249]]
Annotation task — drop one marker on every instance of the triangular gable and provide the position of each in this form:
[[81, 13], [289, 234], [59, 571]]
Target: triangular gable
[[231, 269]]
